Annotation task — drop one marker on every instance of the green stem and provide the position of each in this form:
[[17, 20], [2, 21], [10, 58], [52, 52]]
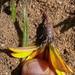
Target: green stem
[[25, 31], [13, 10]]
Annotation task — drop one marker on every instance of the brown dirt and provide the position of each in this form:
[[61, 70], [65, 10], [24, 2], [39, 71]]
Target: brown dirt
[[61, 14]]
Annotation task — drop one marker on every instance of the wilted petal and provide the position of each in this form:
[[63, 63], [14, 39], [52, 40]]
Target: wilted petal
[[57, 62]]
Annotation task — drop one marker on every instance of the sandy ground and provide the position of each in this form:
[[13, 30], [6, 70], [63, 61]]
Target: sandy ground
[[61, 14]]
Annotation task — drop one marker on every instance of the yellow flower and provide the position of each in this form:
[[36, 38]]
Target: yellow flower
[[60, 67], [23, 52], [49, 52]]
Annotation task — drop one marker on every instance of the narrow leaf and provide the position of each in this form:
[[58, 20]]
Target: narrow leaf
[[13, 10], [25, 31]]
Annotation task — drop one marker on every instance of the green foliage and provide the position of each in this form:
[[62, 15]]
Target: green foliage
[[14, 14], [13, 10], [25, 31]]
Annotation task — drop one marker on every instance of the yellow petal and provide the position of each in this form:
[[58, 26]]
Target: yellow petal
[[60, 72], [32, 55], [21, 54], [35, 53], [63, 62], [57, 62], [24, 49]]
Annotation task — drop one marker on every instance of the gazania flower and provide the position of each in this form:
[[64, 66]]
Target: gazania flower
[[47, 53]]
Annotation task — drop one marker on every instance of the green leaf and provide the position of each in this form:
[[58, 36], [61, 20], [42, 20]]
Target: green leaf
[[13, 10], [25, 31]]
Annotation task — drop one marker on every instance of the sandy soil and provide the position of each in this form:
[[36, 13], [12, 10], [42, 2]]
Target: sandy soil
[[61, 14]]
